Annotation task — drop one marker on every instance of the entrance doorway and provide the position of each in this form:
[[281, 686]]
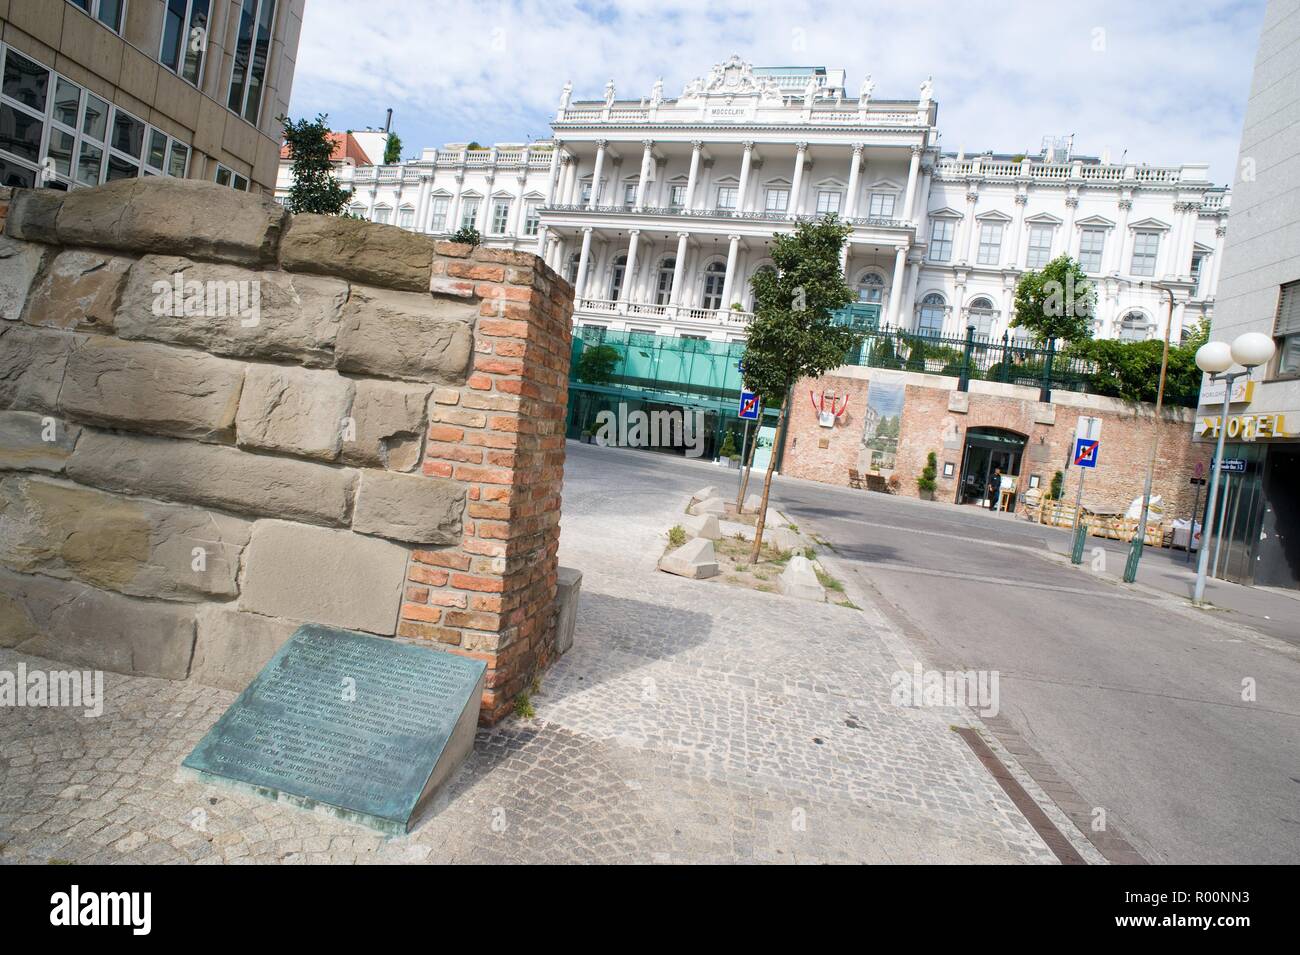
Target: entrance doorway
[[988, 450]]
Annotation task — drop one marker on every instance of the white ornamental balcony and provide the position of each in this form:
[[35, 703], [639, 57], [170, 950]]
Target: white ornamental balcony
[[679, 314]]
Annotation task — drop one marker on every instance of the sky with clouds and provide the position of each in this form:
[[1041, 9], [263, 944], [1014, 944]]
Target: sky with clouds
[[1166, 81]]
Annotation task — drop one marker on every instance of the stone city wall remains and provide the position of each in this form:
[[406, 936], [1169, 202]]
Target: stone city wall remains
[[218, 421]]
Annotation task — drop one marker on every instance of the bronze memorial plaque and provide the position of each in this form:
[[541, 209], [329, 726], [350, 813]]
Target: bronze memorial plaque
[[364, 727]]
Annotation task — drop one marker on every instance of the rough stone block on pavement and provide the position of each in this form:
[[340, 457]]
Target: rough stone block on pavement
[[568, 588], [782, 538], [695, 559], [752, 504], [35, 442], [231, 647], [704, 493], [710, 505], [702, 525], [326, 576], [799, 579]]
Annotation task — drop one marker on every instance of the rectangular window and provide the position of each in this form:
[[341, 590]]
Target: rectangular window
[[381, 214], [228, 177], [469, 214], [107, 12], [1091, 244], [1286, 329], [438, 220], [677, 197], [629, 195], [941, 235], [252, 47], [1145, 247], [1040, 246], [25, 81], [882, 205], [406, 217], [727, 197], [828, 201], [185, 38], [500, 216], [778, 200], [1198, 261], [586, 193], [990, 250], [532, 217]]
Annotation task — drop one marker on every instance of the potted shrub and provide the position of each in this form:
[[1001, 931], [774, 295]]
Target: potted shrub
[[728, 451], [926, 483], [586, 436], [893, 483]]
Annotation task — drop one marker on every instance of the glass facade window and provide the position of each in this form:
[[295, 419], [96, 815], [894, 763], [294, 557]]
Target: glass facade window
[[107, 12], [1092, 243], [228, 177], [941, 236], [252, 47], [1286, 329], [990, 249], [185, 38], [1040, 246], [1145, 247]]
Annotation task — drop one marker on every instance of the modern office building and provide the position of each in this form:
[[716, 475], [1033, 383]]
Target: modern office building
[[1260, 292], [97, 90]]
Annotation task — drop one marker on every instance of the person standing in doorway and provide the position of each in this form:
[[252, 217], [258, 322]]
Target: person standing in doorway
[[995, 488]]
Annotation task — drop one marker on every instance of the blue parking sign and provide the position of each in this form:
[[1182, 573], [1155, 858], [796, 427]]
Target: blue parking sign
[[748, 406], [1085, 452]]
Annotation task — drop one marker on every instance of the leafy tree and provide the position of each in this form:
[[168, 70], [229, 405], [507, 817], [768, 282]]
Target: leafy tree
[[314, 187], [393, 149], [793, 335], [596, 364], [1058, 486], [466, 234], [1056, 303], [926, 482]]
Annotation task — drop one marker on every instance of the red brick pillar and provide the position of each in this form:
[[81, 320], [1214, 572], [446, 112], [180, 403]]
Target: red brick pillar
[[502, 434]]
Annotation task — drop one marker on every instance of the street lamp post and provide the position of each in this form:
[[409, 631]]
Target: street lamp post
[[1215, 358]]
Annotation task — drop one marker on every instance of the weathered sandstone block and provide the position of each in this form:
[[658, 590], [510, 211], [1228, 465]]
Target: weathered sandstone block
[[409, 507], [406, 335], [360, 251], [35, 442], [79, 289], [19, 264], [325, 576], [270, 315], [146, 387], [79, 625], [132, 546], [161, 214], [32, 365], [387, 425], [33, 214], [231, 647], [294, 410], [213, 476]]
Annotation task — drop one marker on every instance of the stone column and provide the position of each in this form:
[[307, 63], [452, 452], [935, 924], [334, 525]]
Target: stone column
[[647, 155], [909, 302], [731, 269], [1216, 259], [1072, 209], [629, 270], [580, 282], [896, 286], [422, 203], [796, 182], [909, 197], [970, 227], [855, 169], [1118, 262], [595, 178], [694, 175], [1017, 227], [679, 269], [553, 174], [742, 192]]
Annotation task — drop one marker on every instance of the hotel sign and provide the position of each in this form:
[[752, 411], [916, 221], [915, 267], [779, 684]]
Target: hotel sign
[[1261, 426], [1243, 390]]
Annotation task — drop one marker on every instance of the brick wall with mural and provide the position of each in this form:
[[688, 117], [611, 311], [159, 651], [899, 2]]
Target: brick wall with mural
[[936, 417], [218, 421]]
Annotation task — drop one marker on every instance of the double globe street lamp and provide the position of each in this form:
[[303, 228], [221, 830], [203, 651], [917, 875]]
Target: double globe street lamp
[[1249, 350]]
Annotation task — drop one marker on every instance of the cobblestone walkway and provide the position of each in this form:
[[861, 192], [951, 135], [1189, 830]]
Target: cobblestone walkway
[[691, 722]]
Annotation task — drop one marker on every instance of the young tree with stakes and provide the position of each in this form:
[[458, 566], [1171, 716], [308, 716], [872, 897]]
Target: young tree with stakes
[[793, 335], [314, 187]]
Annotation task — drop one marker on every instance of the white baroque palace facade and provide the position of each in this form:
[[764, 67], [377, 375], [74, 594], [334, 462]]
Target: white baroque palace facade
[[660, 210]]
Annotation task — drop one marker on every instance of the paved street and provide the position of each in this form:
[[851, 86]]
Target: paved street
[[690, 722], [1133, 698]]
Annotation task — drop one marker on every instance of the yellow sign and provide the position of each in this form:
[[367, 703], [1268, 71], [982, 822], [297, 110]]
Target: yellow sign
[[1243, 391], [1264, 426]]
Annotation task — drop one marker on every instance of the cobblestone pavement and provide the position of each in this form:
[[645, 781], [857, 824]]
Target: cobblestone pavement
[[691, 722]]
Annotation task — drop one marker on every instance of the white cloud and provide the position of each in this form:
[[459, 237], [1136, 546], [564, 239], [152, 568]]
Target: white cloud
[[1163, 80]]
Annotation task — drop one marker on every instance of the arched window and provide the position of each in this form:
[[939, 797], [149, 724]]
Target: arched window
[[616, 277], [1134, 327], [981, 316], [871, 289], [931, 314], [664, 281], [715, 276]]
